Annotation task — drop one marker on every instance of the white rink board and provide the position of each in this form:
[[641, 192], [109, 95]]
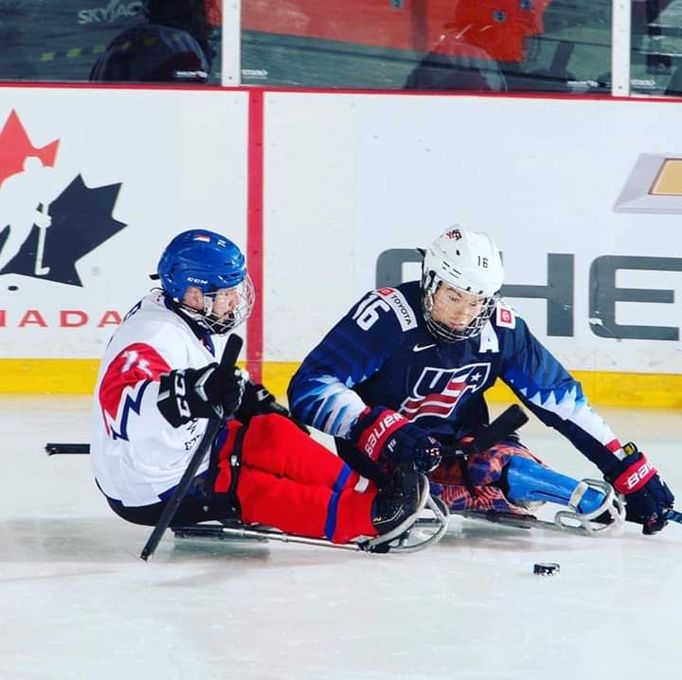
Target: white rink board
[[349, 176], [180, 158], [346, 177]]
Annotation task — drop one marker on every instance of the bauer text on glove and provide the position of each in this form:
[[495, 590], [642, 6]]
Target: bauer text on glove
[[384, 433], [647, 497]]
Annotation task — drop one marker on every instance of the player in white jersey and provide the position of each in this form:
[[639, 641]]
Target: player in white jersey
[[158, 385], [403, 375]]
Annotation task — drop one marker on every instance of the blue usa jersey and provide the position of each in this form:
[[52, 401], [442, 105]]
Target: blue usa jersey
[[382, 354]]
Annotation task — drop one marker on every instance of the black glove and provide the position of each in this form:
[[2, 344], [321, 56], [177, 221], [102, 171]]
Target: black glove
[[411, 443], [258, 400], [647, 498], [208, 392], [381, 432]]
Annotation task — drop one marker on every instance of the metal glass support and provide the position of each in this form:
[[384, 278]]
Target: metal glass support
[[231, 43], [621, 20]]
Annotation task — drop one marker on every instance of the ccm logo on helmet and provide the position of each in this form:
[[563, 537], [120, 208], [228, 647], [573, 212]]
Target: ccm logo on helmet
[[454, 233]]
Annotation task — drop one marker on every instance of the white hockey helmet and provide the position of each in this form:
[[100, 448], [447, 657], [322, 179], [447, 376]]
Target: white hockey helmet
[[467, 260]]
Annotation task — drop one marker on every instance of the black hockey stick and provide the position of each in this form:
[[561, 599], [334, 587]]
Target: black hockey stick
[[234, 344], [511, 419], [53, 448]]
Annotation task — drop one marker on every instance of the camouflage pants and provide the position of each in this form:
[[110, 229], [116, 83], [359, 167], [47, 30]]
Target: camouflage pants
[[473, 483]]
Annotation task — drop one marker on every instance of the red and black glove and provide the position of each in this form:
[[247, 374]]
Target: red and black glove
[[384, 434], [647, 497]]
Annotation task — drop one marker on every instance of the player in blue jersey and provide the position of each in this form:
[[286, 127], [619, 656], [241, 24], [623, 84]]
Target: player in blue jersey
[[403, 375]]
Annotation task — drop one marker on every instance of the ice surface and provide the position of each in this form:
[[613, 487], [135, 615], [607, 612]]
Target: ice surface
[[77, 602]]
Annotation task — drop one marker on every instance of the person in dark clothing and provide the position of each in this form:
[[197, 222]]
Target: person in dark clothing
[[173, 46]]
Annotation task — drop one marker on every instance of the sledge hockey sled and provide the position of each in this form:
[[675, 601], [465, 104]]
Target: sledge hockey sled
[[608, 518], [428, 529]]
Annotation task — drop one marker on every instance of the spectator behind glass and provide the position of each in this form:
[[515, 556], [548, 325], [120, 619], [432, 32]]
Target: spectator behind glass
[[176, 44], [481, 34]]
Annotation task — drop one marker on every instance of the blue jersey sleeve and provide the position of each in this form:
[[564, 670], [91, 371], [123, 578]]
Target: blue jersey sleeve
[[353, 351], [554, 396]]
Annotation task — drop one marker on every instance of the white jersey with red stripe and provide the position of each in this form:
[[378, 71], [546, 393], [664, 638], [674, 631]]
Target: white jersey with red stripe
[[135, 453]]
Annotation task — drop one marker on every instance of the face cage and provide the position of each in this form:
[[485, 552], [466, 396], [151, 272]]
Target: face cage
[[447, 334], [242, 310]]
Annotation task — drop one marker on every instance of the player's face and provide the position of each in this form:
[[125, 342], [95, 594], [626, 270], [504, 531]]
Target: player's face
[[221, 304], [456, 308], [225, 301]]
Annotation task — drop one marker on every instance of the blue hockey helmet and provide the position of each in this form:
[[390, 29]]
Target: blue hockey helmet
[[202, 259]]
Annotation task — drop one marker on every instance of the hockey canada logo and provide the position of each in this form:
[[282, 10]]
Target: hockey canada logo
[[439, 390], [44, 228]]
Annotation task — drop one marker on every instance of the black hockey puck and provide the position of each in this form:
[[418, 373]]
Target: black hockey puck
[[546, 568]]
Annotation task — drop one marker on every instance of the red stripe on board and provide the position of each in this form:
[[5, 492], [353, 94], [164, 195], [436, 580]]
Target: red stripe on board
[[555, 96], [254, 235]]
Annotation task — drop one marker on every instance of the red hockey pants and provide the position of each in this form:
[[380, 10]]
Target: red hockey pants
[[289, 481]]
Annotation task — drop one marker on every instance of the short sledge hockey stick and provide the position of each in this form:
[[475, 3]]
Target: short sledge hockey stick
[[508, 421], [234, 345], [53, 448]]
